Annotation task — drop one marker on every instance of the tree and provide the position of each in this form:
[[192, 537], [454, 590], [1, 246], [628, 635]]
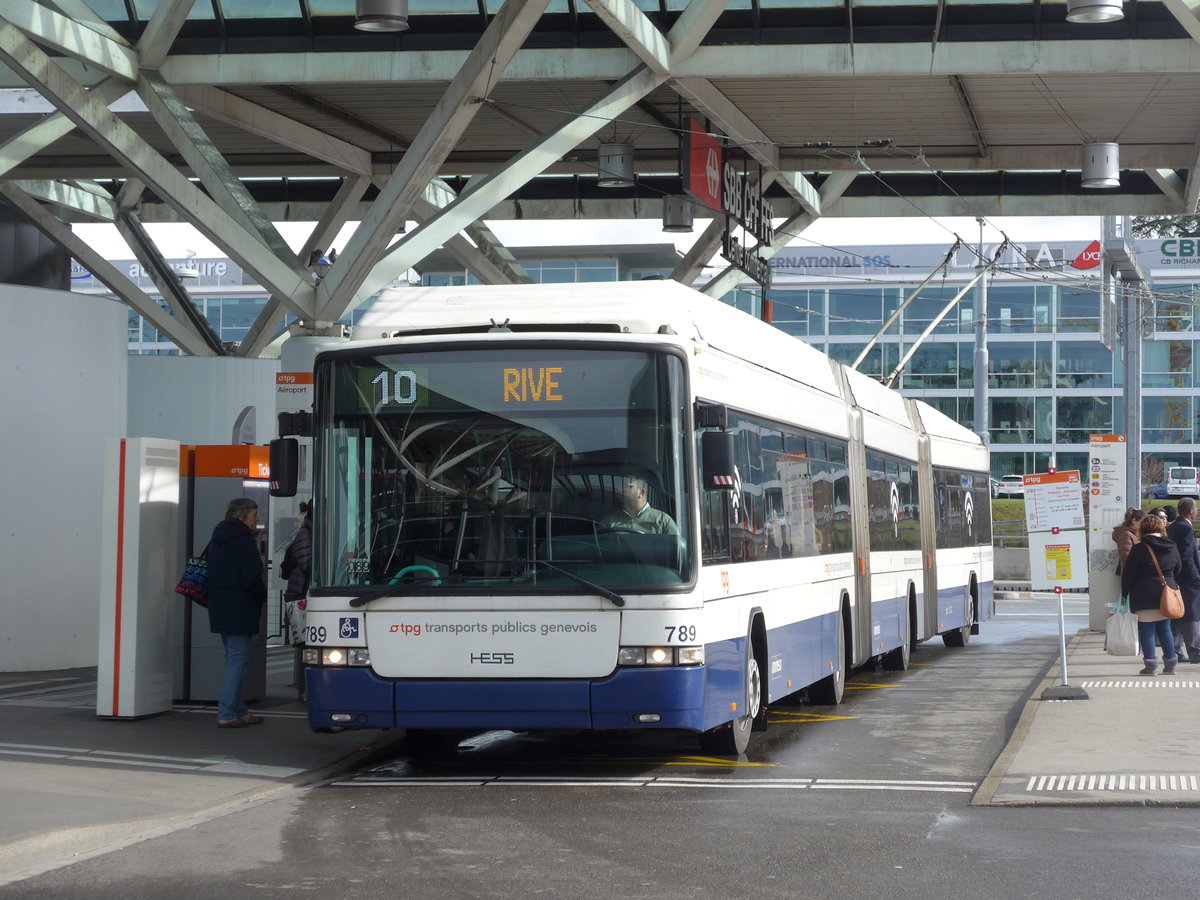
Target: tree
[[1166, 226]]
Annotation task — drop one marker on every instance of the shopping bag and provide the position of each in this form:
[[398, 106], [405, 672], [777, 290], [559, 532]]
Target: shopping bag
[[194, 583], [1120, 631]]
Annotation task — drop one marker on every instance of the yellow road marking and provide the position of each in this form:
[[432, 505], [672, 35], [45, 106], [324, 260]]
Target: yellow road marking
[[915, 665], [867, 686], [717, 761], [806, 717]]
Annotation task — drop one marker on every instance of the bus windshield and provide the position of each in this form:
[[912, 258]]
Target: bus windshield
[[502, 469]]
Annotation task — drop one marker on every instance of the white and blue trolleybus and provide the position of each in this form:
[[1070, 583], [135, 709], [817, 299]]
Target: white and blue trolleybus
[[620, 506]]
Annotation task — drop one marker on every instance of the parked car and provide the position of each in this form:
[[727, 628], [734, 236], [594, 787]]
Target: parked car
[[1157, 492], [1011, 486], [995, 484], [1182, 481]]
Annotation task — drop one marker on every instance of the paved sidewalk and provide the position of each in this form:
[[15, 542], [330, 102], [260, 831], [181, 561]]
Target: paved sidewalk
[[73, 785], [1110, 749]]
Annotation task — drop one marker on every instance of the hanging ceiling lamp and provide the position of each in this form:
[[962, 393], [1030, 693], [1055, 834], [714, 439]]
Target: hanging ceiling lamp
[[1100, 165], [1091, 11], [677, 214], [615, 164], [381, 15]]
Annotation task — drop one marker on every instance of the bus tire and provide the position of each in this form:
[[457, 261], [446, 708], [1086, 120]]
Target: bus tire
[[829, 690], [960, 637], [732, 738], [897, 660]]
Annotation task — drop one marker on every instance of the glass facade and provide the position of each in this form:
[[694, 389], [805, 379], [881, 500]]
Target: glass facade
[[1052, 379]]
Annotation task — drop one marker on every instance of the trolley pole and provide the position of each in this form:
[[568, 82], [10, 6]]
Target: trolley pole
[[982, 413]]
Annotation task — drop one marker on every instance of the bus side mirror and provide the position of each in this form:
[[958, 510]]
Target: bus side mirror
[[716, 463], [285, 463]]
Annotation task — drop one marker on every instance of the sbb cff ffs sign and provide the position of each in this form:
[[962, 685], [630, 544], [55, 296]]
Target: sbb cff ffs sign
[[716, 182]]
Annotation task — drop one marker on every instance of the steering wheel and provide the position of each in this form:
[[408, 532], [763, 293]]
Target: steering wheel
[[437, 576]]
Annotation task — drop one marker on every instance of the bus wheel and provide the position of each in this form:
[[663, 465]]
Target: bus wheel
[[732, 738], [828, 691], [960, 637], [897, 660]]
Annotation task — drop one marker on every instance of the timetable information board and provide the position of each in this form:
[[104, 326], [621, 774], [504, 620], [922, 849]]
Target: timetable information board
[[1053, 500]]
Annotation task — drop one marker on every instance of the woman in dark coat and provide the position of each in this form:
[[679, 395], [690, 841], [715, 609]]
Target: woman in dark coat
[[1183, 532], [1139, 579], [236, 594]]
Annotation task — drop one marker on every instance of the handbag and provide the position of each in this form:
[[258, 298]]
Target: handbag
[[1120, 630], [194, 583], [1170, 602]]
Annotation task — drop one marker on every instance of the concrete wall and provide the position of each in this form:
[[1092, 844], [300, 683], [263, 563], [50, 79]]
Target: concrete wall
[[63, 362], [197, 399]]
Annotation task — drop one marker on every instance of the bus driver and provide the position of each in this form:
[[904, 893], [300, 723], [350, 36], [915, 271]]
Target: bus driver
[[635, 513]]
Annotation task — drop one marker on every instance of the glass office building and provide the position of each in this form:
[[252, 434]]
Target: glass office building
[[1056, 370]]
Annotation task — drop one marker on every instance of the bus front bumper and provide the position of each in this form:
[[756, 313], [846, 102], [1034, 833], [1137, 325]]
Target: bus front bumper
[[358, 698]]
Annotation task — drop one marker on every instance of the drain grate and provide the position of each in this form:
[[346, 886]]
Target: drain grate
[[1139, 783], [1142, 683]]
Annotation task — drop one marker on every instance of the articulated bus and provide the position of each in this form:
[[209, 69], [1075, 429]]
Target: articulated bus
[[620, 506]]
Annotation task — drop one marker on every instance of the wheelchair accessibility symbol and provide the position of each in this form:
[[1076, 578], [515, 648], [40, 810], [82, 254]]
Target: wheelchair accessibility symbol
[[348, 628]]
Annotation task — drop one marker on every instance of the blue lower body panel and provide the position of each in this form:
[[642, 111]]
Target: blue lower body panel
[[674, 694]]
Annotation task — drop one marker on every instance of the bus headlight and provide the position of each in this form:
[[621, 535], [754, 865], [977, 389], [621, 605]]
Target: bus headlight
[[336, 656], [660, 656], [689, 656]]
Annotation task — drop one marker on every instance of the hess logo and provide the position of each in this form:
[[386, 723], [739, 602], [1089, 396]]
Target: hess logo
[[1089, 258]]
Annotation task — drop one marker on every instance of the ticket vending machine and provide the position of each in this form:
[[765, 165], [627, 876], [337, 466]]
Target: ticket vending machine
[[209, 477]]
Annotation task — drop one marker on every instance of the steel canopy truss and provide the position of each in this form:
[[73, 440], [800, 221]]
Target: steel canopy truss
[[896, 109]]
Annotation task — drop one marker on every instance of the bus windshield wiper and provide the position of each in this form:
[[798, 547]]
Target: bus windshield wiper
[[617, 599], [390, 590]]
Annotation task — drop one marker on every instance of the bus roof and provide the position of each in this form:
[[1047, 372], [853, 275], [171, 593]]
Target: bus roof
[[617, 307]]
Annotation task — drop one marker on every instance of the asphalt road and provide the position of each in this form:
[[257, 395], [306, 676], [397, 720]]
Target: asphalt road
[[867, 799]]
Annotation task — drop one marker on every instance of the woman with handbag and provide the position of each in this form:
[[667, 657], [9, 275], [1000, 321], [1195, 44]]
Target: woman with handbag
[[1150, 564]]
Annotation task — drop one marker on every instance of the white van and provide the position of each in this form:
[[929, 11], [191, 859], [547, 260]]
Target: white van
[[1182, 482]]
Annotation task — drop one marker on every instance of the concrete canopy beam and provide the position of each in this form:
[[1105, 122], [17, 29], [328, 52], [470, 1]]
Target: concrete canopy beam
[[336, 213], [485, 193], [180, 333], [206, 161], [1127, 56], [1172, 186], [89, 200], [636, 31], [266, 123], [141, 160], [433, 143], [54, 30]]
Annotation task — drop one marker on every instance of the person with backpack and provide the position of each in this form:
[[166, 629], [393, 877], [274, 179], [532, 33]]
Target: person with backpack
[[297, 568]]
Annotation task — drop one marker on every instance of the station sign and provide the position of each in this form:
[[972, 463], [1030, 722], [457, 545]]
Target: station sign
[[714, 180]]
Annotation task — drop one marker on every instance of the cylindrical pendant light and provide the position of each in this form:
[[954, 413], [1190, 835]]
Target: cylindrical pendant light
[[381, 15], [615, 165], [1100, 165], [677, 214], [1090, 11]]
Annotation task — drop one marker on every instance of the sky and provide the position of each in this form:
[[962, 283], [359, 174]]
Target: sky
[[178, 240]]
